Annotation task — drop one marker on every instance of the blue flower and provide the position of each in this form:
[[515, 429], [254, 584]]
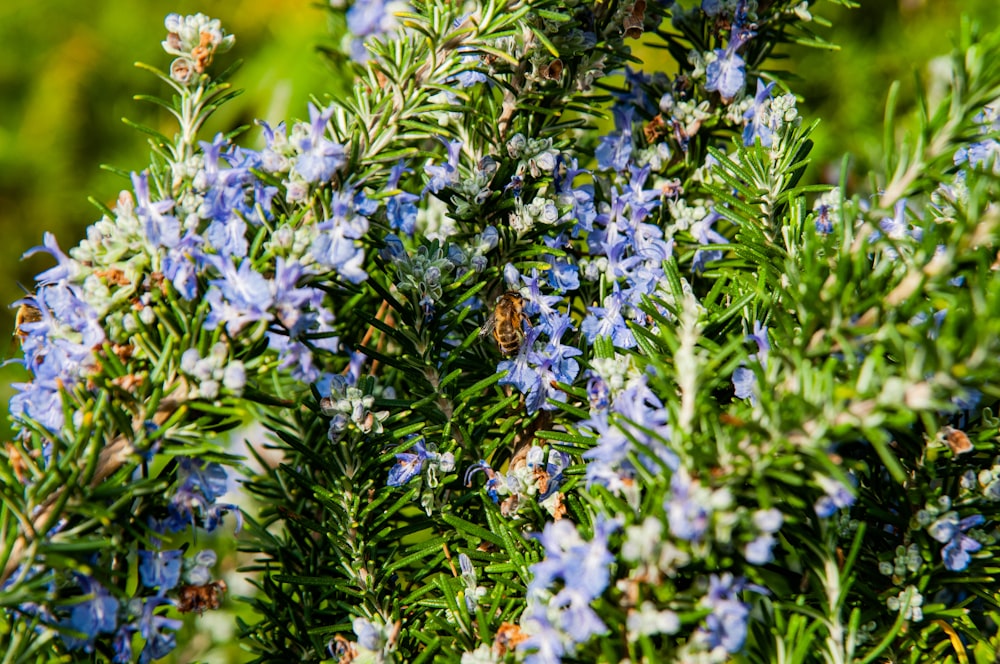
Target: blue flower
[[948, 529], [744, 383], [154, 629], [161, 229], [228, 238], [546, 644], [198, 571], [446, 174], [122, 644], [744, 379], [337, 245], [401, 208], [579, 620], [160, 569], [598, 392], [838, 496], [614, 150], [408, 465], [494, 480], [96, 614], [727, 73], [518, 370], [579, 200], [704, 233], [241, 296], [760, 551], [200, 484], [66, 267], [59, 350], [711, 7], [292, 304], [607, 321], [583, 566], [181, 263], [726, 625], [320, 157], [688, 510], [468, 76], [757, 125]]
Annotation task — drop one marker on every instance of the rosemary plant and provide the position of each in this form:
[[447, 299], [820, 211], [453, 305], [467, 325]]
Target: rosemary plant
[[527, 350]]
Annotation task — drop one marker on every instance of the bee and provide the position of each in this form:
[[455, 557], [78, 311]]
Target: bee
[[505, 322], [957, 440], [200, 598], [507, 638], [26, 313], [553, 70], [632, 25]]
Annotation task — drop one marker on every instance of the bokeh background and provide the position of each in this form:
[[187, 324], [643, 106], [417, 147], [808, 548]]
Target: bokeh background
[[67, 80]]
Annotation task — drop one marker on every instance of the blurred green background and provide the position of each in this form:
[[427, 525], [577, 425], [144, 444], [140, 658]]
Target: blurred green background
[[66, 80]]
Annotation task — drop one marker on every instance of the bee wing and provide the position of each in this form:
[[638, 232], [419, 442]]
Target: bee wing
[[489, 325]]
